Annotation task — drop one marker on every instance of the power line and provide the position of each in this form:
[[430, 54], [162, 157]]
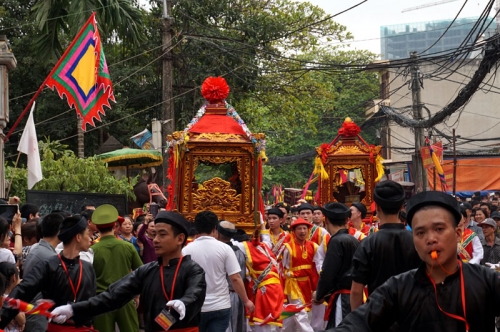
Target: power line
[[322, 20], [141, 111], [491, 57], [446, 30]]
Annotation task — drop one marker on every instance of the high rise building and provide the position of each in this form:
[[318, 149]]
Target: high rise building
[[397, 41]]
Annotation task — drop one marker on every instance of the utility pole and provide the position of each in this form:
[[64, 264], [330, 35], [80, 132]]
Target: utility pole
[[7, 63], [454, 162], [168, 127], [420, 174], [81, 140]]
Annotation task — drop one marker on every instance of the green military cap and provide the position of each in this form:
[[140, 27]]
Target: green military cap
[[105, 216]]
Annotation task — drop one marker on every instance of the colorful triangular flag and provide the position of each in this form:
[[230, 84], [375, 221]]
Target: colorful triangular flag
[[82, 75]]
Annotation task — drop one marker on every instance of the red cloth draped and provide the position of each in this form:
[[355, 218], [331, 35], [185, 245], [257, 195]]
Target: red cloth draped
[[213, 123], [171, 177], [68, 328]]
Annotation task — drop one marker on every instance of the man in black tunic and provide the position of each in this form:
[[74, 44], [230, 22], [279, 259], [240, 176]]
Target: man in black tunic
[[443, 294], [335, 279], [61, 278], [154, 282], [388, 252]]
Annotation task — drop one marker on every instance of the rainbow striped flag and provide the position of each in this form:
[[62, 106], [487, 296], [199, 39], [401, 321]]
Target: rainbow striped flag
[[290, 309], [82, 75]]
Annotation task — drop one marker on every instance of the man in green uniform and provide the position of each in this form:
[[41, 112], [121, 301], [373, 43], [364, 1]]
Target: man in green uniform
[[113, 259]]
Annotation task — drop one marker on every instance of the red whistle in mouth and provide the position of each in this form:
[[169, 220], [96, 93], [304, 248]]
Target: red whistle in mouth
[[434, 255]]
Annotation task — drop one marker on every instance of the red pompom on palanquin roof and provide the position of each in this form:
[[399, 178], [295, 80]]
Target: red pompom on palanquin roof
[[349, 128], [215, 89]]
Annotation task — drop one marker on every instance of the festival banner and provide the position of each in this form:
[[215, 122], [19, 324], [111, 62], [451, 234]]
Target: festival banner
[[425, 151], [448, 175], [144, 140], [82, 75], [397, 176]]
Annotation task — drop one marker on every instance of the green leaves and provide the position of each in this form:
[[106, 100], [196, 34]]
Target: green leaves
[[289, 77], [59, 21], [66, 172]]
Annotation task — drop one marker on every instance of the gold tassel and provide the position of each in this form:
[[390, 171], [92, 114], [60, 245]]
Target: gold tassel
[[379, 167], [176, 155], [263, 156], [320, 169], [437, 164], [177, 152]]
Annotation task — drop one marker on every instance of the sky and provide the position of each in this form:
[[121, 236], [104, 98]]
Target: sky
[[365, 20]]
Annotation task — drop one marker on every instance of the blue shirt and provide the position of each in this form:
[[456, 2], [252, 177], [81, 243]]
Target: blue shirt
[[133, 240]]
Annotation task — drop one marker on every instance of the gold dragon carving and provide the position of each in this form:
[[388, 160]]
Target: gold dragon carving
[[216, 195], [345, 149], [218, 137]]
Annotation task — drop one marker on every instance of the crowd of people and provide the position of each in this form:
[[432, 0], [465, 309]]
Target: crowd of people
[[423, 264]]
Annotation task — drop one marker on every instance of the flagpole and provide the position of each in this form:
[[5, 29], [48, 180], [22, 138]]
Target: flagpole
[[40, 89], [13, 173]]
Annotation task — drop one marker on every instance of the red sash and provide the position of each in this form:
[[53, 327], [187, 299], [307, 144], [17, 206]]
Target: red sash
[[332, 299], [68, 328], [186, 329]]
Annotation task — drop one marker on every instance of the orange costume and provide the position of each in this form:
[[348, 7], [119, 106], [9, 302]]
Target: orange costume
[[301, 276], [358, 235], [265, 289], [365, 229], [318, 235], [301, 262]]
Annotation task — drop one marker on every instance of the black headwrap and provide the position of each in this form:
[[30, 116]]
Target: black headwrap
[[67, 232], [389, 195], [175, 219], [336, 213], [241, 235], [361, 208], [438, 198], [276, 211], [227, 232]]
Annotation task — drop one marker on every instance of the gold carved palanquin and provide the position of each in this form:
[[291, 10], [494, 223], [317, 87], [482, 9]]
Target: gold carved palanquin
[[230, 197], [348, 153]]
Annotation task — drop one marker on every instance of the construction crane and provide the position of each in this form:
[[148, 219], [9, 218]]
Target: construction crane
[[425, 5]]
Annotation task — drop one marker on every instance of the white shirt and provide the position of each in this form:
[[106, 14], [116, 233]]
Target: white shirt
[[87, 256], [477, 251], [7, 256], [217, 259]]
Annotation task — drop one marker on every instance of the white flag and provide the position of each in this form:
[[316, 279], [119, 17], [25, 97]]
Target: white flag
[[29, 146]]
